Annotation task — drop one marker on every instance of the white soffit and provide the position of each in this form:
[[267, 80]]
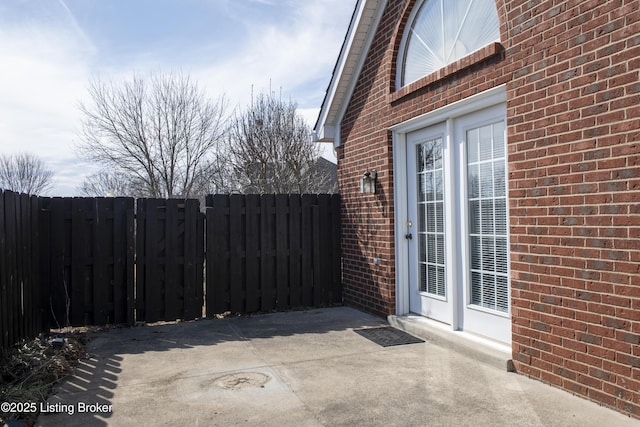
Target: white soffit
[[362, 28]]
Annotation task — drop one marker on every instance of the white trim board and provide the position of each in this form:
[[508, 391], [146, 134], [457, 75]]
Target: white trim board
[[465, 106]]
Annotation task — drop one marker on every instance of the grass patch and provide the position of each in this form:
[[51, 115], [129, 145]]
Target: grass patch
[[30, 370]]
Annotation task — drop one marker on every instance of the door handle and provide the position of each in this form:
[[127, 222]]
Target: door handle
[[408, 236]]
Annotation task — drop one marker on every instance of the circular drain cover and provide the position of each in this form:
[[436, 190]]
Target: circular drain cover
[[242, 380]]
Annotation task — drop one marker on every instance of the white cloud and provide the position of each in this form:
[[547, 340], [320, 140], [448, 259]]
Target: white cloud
[[44, 74], [48, 60], [288, 55]]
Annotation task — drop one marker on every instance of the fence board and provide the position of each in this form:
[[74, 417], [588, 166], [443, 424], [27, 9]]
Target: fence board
[[44, 246], [22, 223], [193, 259], [79, 248], [152, 287], [141, 277], [236, 253], [102, 285], [295, 251], [324, 256], [282, 251], [123, 260], [12, 268], [18, 326], [252, 253], [267, 268], [59, 296], [307, 249], [170, 261], [217, 299], [36, 301], [5, 320]]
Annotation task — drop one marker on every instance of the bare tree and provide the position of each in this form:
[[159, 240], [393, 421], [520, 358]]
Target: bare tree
[[160, 133], [269, 150], [24, 173], [107, 184]]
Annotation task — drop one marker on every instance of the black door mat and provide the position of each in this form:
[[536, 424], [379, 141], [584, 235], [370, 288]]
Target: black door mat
[[387, 336]]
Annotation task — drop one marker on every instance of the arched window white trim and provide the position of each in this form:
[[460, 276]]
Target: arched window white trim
[[441, 32]]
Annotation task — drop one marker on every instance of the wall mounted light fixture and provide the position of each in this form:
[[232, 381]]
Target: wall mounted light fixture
[[368, 182]]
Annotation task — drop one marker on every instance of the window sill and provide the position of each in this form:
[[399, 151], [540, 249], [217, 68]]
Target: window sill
[[476, 57]]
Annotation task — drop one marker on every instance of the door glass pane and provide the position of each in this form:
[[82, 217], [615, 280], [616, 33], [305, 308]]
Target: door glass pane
[[473, 181], [487, 212], [431, 221]]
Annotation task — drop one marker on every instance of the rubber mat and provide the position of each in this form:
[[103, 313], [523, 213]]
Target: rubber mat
[[387, 336]]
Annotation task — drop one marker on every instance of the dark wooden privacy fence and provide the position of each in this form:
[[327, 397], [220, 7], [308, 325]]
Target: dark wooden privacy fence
[[87, 260], [21, 312], [170, 258], [272, 252], [98, 261]]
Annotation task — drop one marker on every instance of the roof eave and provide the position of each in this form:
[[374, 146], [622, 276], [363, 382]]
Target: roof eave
[[364, 22]]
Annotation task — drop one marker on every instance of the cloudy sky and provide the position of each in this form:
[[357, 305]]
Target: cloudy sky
[[50, 49]]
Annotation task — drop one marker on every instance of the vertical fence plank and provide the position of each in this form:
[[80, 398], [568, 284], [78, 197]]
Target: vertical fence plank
[[78, 253], [44, 248], [36, 285], [189, 250], [103, 234], [192, 266], [324, 204], [217, 299], [122, 266], [152, 285], [316, 261], [236, 254], [130, 261], [267, 236], [252, 254], [282, 251], [118, 264], [141, 258], [4, 296], [24, 265], [308, 201], [199, 273], [173, 304], [18, 282], [59, 296], [11, 227], [295, 251], [29, 265]]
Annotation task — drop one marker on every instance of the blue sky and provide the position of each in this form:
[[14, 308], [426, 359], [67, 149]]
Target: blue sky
[[50, 49]]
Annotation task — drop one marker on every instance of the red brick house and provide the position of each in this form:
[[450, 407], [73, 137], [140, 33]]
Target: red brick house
[[504, 139]]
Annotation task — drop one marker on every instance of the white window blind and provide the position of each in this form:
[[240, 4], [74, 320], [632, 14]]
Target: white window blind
[[486, 188], [431, 242]]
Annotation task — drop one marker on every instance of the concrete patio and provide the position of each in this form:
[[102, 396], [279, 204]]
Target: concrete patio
[[305, 368]]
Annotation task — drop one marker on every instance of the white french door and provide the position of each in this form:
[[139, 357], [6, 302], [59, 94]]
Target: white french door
[[457, 226], [429, 295]]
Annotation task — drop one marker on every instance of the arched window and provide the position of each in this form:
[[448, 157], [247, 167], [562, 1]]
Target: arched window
[[443, 31]]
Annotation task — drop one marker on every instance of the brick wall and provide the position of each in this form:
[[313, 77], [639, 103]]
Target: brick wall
[[573, 113], [574, 180]]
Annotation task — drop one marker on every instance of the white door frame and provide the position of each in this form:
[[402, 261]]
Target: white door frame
[[445, 114]]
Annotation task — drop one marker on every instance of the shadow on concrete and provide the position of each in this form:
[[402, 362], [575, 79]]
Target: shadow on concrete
[[154, 355]]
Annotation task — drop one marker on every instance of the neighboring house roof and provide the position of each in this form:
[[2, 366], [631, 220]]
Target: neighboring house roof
[[364, 22], [329, 171]]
